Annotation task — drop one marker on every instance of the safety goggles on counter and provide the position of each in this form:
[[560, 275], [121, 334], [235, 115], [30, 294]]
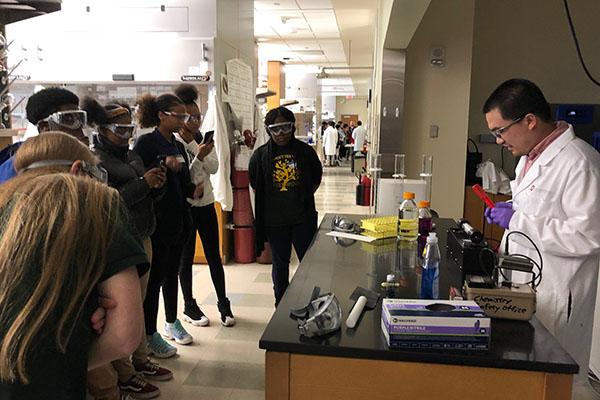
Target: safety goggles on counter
[[320, 316], [124, 131], [93, 171], [68, 119], [281, 128]]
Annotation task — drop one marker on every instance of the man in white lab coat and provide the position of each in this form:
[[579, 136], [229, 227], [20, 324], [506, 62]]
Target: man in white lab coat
[[359, 135], [330, 141], [556, 203]]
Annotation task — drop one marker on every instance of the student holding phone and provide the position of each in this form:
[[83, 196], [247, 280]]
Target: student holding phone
[[167, 114], [203, 163]]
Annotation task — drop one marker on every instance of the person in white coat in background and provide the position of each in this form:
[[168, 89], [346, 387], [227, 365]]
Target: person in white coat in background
[[555, 203], [359, 135], [330, 141]]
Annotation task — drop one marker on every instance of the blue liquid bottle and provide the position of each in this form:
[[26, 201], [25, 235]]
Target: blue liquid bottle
[[430, 279]]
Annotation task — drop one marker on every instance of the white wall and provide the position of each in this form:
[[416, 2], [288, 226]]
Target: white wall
[[328, 107], [125, 37], [537, 46], [440, 96], [357, 105]]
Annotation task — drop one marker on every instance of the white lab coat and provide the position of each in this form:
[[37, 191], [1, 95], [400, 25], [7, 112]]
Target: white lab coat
[[200, 172], [359, 135], [330, 140], [557, 205]]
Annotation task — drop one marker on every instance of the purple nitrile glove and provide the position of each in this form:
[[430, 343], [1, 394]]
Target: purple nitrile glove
[[501, 214]]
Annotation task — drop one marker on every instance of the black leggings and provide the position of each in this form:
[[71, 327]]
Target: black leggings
[[166, 253], [205, 222]]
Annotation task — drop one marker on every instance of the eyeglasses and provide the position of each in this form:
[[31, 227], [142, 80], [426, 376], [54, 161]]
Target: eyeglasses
[[182, 117], [499, 131], [124, 131], [93, 171], [281, 128], [75, 119]]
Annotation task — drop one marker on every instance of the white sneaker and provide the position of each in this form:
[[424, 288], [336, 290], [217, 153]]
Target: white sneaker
[[177, 333]]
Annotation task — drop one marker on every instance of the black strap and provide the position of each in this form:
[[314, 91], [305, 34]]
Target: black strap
[[474, 144]]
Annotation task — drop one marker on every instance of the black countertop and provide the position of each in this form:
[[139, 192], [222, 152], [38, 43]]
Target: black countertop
[[334, 268]]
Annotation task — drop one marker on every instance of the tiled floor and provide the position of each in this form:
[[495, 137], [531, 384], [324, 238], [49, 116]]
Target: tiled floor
[[226, 363]]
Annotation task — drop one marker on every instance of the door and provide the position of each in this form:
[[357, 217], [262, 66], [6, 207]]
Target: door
[[346, 118]]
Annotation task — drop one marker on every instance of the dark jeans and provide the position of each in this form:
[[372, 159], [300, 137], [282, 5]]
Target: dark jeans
[[166, 253], [205, 222], [281, 239]]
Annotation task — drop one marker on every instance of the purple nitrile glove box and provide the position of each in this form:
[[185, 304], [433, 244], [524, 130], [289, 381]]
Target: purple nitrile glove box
[[439, 321]]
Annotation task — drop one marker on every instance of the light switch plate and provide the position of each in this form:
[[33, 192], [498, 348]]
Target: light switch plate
[[433, 131]]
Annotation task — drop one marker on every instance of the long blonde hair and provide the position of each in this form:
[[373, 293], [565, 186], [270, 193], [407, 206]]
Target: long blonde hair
[[55, 229]]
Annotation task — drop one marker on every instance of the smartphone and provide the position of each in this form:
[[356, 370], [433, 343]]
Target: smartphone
[[161, 161], [208, 137]]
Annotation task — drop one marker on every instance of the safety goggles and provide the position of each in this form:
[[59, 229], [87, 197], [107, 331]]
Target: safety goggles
[[93, 171], [322, 315], [497, 133], [75, 119], [195, 118], [185, 117], [281, 128], [124, 131]]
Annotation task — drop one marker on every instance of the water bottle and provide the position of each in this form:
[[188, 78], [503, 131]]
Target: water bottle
[[431, 269], [425, 225], [408, 218]]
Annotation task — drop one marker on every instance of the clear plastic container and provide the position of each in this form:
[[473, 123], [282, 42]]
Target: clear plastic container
[[408, 218], [431, 269]]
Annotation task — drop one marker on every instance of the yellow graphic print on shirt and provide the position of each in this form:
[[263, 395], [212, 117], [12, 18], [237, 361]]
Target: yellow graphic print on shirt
[[285, 172]]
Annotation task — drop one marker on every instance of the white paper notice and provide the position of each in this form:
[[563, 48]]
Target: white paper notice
[[241, 92]]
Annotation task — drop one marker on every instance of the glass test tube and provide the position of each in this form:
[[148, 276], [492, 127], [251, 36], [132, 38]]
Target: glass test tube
[[427, 174], [399, 166]]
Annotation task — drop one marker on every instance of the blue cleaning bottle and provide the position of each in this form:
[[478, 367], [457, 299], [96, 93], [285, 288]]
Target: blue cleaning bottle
[[431, 269]]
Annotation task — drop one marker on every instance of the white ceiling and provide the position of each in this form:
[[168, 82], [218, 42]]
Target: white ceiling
[[318, 33]]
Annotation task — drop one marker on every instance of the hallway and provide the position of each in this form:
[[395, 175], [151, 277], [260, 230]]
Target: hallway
[[226, 363]]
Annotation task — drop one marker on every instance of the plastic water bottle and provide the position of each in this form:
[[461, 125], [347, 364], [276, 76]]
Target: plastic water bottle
[[425, 225], [431, 269], [408, 218]]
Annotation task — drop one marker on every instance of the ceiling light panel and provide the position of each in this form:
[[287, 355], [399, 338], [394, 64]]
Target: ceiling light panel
[[275, 5], [322, 21], [314, 4], [303, 44]]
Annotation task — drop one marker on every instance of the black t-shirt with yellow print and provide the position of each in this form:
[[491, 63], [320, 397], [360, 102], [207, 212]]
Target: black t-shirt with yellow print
[[285, 203]]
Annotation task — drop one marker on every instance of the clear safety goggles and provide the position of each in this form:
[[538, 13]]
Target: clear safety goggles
[[346, 225], [281, 128], [124, 131], [93, 171], [75, 119], [185, 117], [322, 315]]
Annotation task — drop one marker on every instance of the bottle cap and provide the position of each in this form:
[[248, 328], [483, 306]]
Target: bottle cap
[[423, 204], [408, 195], [432, 238]]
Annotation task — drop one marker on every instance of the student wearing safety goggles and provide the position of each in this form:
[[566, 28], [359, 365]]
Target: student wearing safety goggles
[[52, 109], [284, 173], [64, 232], [203, 163], [138, 189], [167, 114]]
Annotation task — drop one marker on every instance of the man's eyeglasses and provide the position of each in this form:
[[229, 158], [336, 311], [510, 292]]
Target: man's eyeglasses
[[124, 131], [499, 131], [75, 119], [182, 117], [281, 128]]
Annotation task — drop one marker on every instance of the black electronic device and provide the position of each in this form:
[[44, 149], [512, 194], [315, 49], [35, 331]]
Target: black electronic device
[[161, 161], [466, 247], [208, 137]]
